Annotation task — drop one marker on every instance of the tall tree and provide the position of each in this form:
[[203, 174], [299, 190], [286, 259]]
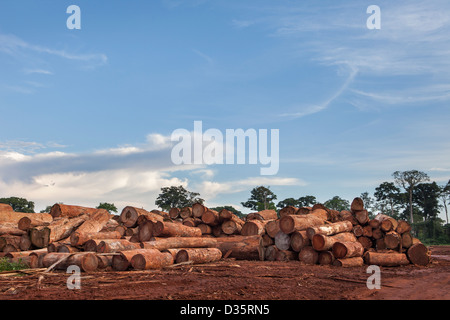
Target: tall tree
[[177, 197], [262, 198], [337, 203], [388, 194], [307, 201], [19, 204], [367, 200], [408, 180], [445, 197], [287, 202]]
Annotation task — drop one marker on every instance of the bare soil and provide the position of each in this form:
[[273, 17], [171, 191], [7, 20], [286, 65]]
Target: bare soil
[[232, 279]]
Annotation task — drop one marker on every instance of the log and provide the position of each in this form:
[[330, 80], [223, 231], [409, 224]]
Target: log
[[186, 212], [172, 229], [321, 242], [330, 229], [198, 255], [303, 210], [418, 254], [116, 245], [129, 216], [291, 223], [407, 240], [104, 262], [366, 242], [67, 248], [87, 261], [347, 249], [206, 229], [367, 231], [326, 258], [211, 217], [9, 243], [349, 262], [374, 224], [377, 233], [347, 215], [151, 259], [11, 230], [357, 230], [272, 227], [145, 231], [362, 216], [179, 242], [81, 239], [403, 227], [242, 247], [192, 222], [91, 245], [391, 259], [57, 230], [70, 211], [270, 253], [392, 240], [231, 227], [285, 255], [289, 210], [263, 215], [34, 220], [6, 207], [254, 227], [308, 256], [357, 205], [174, 213], [88, 228], [299, 240], [198, 210], [386, 223], [323, 214], [122, 261], [13, 217], [282, 241], [25, 242]]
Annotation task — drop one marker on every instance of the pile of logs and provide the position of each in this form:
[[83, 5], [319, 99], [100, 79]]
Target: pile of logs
[[318, 235], [94, 239]]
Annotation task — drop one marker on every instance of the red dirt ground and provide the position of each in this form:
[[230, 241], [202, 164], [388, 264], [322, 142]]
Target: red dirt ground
[[232, 279]]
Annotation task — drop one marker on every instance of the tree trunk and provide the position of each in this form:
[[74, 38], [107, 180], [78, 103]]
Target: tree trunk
[[242, 247], [392, 240], [402, 227], [179, 242], [270, 253], [282, 241], [122, 261], [91, 226], [349, 262], [322, 214], [299, 240], [362, 216], [116, 245], [411, 215], [291, 223], [326, 258], [145, 232], [391, 259], [347, 249], [34, 220], [345, 215], [377, 233], [386, 223], [330, 229], [186, 212], [174, 213], [232, 227], [57, 230], [6, 208], [286, 255], [11, 230], [129, 216], [173, 229], [357, 205], [407, 240], [69, 211], [199, 255], [418, 254], [303, 210], [263, 215], [151, 259], [366, 242], [198, 210], [321, 242], [9, 243], [254, 227], [87, 261], [308, 256], [272, 227], [358, 230], [289, 210], [211, 217]]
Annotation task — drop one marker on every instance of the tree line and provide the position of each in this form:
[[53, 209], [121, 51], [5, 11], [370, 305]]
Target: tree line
[[410, 196]]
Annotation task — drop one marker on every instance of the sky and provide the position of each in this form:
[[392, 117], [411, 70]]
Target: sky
[[86, 115]]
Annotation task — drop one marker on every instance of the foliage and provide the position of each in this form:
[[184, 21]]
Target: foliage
[[230, 208], [19, 204], [177, 197], [337, 203], [7, 265], [261, 199], [110, 207]]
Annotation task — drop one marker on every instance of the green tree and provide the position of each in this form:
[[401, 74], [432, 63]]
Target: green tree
[[177, 197], [230, 208], [307, 201], [445, 198], [19, 204], [110, 207], [337, 203], [389, 198], [46, 210], [287, 202], [408, 180], [261, 198]]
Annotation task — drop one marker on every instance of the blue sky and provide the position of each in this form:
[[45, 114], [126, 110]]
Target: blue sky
[[86, 115]]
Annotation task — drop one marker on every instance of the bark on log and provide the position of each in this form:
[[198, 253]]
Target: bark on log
[[242, 247], [357, 205], [322, 214], [291, 223], [391, 259], [308, 256], [6, 207], [9, 243], [116, 245], [330, 229], [151, 259], [407, 240], [206, 229], [172, 229], [285, 255], [92, 225], [386, 223], [299, 240], [321, 242], [362, 216], [179, 242], [87, 261], [199, 255], [366, 242], [347, 215], [263, 215], [402, 227], [11, 230], [303, 210], [12, 217], [145, 232], [70, 211], [289, 210], [418, 254], [122, 261], [34, 220], [347, 249], [349, 262]]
